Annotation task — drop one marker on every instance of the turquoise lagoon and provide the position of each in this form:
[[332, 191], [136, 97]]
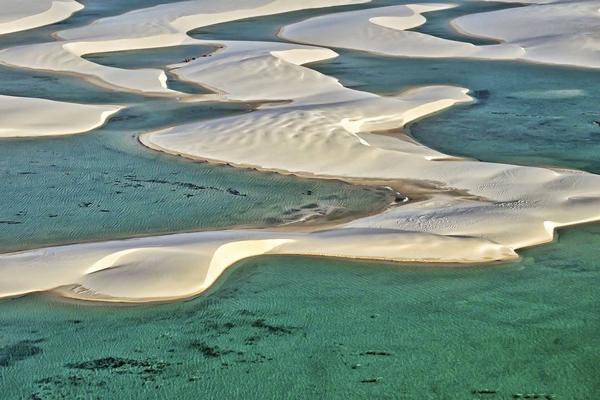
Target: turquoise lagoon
[[301, 328], [295, 327]]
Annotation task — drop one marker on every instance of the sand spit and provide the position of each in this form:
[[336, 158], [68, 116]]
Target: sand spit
[[336, 129], [566, 33], [160, 26], [21, 15], [32, 117], [183, 265]]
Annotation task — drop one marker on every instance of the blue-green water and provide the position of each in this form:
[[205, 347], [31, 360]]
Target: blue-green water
[[299, 328], [525, 113], [293, 327]]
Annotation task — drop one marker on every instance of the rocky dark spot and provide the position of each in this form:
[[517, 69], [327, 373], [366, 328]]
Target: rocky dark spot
[[375, 353], [19, 351], [399, 198], [235, 192], [370, 380], [483, 391], [309, 206], [104, 210]]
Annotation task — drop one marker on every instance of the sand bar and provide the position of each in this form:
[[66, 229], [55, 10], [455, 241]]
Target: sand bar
[[21, 15], [565, 33], [33, 117]]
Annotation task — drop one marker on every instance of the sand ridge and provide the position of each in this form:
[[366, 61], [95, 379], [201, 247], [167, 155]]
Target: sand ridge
[[52, 118], [21, 15], [562, 32]]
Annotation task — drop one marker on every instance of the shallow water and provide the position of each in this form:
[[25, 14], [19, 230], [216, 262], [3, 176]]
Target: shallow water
[[300, 328], [105, 185], [293, 327]]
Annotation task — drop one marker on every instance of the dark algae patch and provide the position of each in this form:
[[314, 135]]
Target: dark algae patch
[[274, 329], [112, 363], [11, 354]]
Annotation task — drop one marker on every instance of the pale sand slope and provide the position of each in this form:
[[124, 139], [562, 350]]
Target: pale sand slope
[[159, 26], [563, 33], [325, 129], [20, 15], [26, 116], [179, 266], [560, 33]]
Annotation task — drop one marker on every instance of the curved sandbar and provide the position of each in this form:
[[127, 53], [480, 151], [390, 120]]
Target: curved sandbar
[[179, 266], [478, 212], [160, 26], [327, 130], [21, 15], [559, 33], [33, 117]]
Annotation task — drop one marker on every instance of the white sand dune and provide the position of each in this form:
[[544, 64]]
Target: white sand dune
[[311, 125], [31, 117], [334, 127], [160, 26], [326, 130], [21, 15], [566, 33], [179, 266]]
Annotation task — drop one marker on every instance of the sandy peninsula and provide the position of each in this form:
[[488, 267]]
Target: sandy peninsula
[[564, 32], [32, 117], [21, 15]]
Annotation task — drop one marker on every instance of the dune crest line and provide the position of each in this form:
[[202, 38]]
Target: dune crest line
[[559, 32]]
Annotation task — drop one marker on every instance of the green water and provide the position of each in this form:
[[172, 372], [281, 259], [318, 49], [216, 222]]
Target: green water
[[298, 328], [292, 327], [105, 185]]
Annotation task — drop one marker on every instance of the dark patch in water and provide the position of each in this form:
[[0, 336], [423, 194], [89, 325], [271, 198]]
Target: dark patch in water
[[275, 329], [11, 354], [376, 353], [209, 351], [115, 363]]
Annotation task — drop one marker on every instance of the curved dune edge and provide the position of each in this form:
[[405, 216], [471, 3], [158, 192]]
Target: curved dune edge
[[510, 207], [564, 33], [184, 265], [500, 208], [21, 15], [159, 26], [52, 118]]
